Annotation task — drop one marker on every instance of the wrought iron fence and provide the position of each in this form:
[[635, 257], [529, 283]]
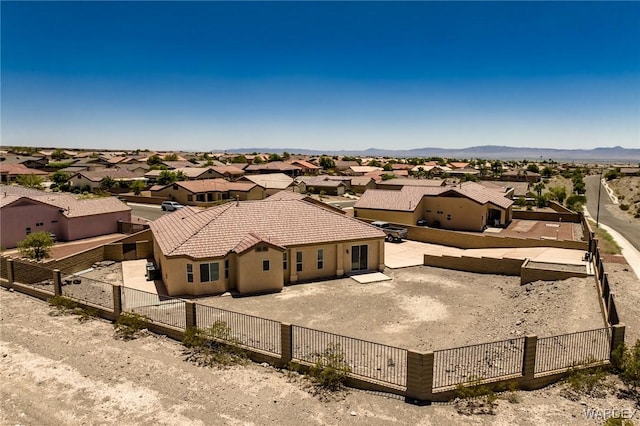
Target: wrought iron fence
[[89, 290], [161, 309], [248, 330], [365, 359], [483, 361], [568, 350]]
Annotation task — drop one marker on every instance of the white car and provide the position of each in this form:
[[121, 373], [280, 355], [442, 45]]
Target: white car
[[171, 206]]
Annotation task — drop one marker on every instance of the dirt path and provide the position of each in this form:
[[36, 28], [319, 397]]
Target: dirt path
[[55, 370]]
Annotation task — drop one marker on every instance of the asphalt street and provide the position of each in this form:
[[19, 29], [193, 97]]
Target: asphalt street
[[610, 214], [146, 211]]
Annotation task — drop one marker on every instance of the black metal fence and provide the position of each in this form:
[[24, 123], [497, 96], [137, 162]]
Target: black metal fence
[[483, 361], [162, 309], [248, 330], [365, 359], [569, 350]]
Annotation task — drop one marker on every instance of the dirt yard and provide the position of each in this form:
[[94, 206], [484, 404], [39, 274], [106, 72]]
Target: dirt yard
[[55, 370], [428, 308], [627, 189]]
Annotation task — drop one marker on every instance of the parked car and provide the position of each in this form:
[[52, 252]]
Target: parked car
[[394, 233], [171, 206], [422, 222]]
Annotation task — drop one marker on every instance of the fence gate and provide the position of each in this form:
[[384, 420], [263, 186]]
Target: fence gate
[[129, 251]]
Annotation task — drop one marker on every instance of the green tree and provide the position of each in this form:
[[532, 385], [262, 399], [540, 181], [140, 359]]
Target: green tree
[[171, 157], [612, 174], [575, 202], [154, 160], [547, 172], [387, 176], [166, 177], [538, 188], [558, 193], [58, 155], [258, 159], [238, 159], [30, 181], [375, 163], [59, 178], [326, 162], [107, 183], [388, 167], [137, 187], [274, 157], [533, 168], [286, 155], [36, 245], [468, 177]]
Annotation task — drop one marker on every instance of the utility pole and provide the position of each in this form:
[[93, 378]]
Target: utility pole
[[598, 211]]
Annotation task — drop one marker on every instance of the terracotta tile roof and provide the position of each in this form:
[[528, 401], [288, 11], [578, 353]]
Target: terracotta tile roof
[[274, 165], [72, 207], [228, 170], [270, 180], [286, 195], [305, 164], [408, 198], [218, 230], [414, 182], [251, 240], [20, 169], [115, 173], [319, 181], [364, 169], [213, 185]]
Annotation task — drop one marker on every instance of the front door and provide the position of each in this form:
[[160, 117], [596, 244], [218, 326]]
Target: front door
[[359, 256]]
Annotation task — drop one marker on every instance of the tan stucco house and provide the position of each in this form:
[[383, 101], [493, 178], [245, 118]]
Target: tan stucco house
[[259, 246], [208, 191], [465, 207]]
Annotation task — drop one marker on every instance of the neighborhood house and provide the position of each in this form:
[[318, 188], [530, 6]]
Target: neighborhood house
[[259, 246]]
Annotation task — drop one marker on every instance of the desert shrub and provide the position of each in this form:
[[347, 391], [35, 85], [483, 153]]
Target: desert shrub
[[624, 207], [618, 421], [591, 382], [473, 397], [626, 362], [330, 368], [129, 325], [64, 305], [213, 347]]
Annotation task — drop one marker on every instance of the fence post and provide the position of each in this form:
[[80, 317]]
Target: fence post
[[420, 375], [617, 336], [10, 272], [57, 282], [190, 309], [286, 343], [117, 300], [529, 360]]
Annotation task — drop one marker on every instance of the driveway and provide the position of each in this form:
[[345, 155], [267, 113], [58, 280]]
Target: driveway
[[411, 253]]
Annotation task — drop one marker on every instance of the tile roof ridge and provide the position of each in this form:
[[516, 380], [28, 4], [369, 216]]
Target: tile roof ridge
[[198, 229]]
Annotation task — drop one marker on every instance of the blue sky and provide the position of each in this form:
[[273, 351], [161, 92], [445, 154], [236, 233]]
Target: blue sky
[[215, 75]]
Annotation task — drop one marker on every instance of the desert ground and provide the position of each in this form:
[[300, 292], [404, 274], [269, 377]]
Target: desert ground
[[55, 370]]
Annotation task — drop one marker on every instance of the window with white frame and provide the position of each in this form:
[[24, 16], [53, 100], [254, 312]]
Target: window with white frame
[[209, 272]]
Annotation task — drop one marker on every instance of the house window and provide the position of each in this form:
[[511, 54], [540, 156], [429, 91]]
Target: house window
[[200, 197], [439, 212], [262, 248], [209, 272], [448, 217], [265, 265], [39, 224], [189, 197], [226, 269], [299, 261], [28, 230], [285, 263], [189, 273], [320, 258], [54, 221]]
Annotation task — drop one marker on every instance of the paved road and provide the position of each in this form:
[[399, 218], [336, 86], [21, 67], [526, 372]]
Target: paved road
[[610, 214], [147, 211]]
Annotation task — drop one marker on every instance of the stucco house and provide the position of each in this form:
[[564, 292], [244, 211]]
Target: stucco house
[[465, 207], [25, 210], [271, 182], [259, 246], [208, 191]]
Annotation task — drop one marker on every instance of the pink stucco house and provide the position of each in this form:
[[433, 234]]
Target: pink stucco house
[[24, 210]]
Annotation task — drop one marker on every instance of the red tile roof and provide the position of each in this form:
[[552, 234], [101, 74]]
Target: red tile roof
[[219, 230]]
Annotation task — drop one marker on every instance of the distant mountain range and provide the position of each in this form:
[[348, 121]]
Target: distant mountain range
[[616, 153]]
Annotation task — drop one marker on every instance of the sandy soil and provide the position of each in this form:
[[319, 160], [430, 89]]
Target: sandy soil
[[627, 189], [428, 308], [55, 370]]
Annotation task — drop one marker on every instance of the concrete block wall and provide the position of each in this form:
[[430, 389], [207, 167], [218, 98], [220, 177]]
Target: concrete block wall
[[483, 265], [546, 216], [529, 274]]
